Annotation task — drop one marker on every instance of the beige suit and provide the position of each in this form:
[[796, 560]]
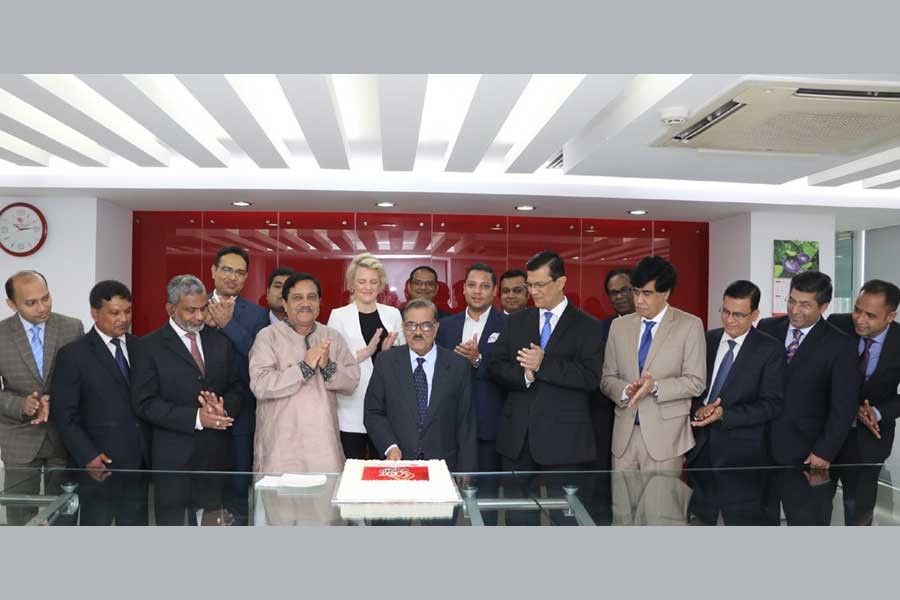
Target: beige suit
[[676, 361]]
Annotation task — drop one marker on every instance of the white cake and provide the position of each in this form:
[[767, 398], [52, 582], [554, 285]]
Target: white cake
[[396, 489]]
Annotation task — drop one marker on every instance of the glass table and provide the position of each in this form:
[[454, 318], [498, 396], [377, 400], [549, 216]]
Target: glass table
[[844, 495]]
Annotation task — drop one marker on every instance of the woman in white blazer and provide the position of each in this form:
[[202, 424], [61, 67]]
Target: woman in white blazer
[[368, 328]]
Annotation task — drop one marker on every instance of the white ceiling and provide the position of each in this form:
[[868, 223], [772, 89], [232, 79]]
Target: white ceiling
[[433, 143]]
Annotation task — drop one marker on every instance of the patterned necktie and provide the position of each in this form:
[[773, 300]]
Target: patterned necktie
[[37, 349], [195, 352], [722, 374], [545, 331], [646, 340], [421, 384], [864, 357], [795, 343], [120, 359]]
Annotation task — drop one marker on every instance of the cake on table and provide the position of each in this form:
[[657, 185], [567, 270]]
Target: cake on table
[[386, 489]]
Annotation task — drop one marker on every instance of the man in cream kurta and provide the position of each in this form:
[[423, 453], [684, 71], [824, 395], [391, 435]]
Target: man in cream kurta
[[296, 412]]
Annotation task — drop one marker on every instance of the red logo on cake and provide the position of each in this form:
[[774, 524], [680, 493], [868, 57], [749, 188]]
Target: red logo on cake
[[395, 474]]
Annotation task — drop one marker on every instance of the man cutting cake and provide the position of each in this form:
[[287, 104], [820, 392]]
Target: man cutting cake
[[418, 404]]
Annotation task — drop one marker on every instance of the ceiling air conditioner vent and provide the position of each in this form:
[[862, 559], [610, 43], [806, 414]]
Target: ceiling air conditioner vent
[[761, 116], [556, 162]]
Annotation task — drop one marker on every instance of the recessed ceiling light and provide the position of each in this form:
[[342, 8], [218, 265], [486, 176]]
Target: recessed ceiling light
[[385, 204], [241, 203], [637, 212], [525, 207]]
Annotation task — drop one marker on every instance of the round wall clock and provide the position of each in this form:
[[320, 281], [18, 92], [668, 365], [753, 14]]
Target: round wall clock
[[23, 229]]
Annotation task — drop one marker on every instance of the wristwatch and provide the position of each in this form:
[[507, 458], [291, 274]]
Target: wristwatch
[[477, 362], [655, 391]]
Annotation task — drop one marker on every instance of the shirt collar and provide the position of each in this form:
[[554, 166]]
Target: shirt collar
[[557, 310], [879, 339], [430, 357], [739, 340], [482, 318], [106, 339], [28, 325], [658, 318], [804, 331], [181, 332]]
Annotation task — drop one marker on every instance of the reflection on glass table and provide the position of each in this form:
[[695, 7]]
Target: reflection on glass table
[[844, 495]]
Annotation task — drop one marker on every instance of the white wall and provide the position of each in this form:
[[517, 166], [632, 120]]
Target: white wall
[[114, 236], [729, 259], [68, 258]]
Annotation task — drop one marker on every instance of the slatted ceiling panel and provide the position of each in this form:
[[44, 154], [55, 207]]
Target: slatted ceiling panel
[[437, 239], [350, 239], [401, 99], [20, 152], [367, 238], [290, 238], [313, 102], [382, 240]]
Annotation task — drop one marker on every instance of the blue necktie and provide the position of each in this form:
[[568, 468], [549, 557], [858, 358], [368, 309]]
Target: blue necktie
[[120, 358], [421, 384], [545, 331], [37, 349], [646, 340], [722, 375]]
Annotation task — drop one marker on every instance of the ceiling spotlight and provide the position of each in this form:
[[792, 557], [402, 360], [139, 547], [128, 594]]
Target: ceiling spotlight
[[241, 203], [637, 212], [525, 207], [384, 204]]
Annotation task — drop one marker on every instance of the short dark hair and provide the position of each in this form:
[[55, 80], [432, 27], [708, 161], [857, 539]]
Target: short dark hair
[[278, 272], [890, 292], [420, 268], [479, 266], [657, 269], [10, 290], [104, 291], [549, 258], [741, 289], [296, 278], [233, 250], [814, 281], [612, 273], [513, 273], [421, 303]]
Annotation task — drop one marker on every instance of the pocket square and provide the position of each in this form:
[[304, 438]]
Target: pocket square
[[493, 337]]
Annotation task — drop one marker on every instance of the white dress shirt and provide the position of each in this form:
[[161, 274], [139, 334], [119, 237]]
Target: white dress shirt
[[182, 335], [107, 340], [720, 356], [471, 326]]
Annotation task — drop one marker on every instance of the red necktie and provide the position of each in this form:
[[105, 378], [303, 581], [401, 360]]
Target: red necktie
[[195, 352]]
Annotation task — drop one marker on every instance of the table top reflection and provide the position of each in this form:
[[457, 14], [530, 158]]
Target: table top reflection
[[771, 496]]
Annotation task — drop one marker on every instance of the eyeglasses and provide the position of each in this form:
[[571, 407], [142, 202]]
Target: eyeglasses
[[625, 291], [800, 305], [228, 271], [539, 285], [411, 326], [422, 283], [727, 314]]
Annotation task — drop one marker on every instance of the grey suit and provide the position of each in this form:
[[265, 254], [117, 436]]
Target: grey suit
[[21, 443], [450, 428]]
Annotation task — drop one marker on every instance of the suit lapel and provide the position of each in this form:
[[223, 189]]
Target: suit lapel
[[404, 368], [105, 357], [746, 353], [630, 348], [437, 386], [494, 325], [808, 346], [20, 339], [659, 338], [712, 349], [177, 346], [51, 340], [565, 323]]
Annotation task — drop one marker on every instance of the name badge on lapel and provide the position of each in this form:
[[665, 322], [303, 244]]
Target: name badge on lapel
[[493, 337]]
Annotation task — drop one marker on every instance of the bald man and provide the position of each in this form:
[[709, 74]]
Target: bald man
[[28, 343]]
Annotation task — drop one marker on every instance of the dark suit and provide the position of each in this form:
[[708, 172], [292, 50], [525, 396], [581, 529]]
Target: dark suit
[[391, 418], [92, 412], [860, 484], [487, 396], [552, 415], [166, 382], [603, 413], [752, 396], [820, 401]]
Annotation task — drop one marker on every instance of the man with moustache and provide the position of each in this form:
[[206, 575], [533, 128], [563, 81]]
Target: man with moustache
[[186, 385], [274, 298], [28, 344], [423, 283], [872, 326], [91, 393], [513, 291], [821, 398], [418, 405]]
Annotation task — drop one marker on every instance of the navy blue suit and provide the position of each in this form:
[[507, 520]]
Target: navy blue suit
[[487, 396], [246, 321]]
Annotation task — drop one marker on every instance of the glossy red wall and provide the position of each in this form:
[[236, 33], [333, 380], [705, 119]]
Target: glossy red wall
[[170, 243]]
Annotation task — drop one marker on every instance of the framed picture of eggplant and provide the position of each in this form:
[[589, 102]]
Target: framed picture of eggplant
[[791, 257]]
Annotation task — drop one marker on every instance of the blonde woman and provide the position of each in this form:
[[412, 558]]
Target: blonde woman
[[368, 328]]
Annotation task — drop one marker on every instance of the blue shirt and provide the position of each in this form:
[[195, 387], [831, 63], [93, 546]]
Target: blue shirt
[[427, 366], [28, 326]]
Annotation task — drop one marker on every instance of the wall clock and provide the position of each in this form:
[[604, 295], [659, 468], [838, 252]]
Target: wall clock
[[23, 229]]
